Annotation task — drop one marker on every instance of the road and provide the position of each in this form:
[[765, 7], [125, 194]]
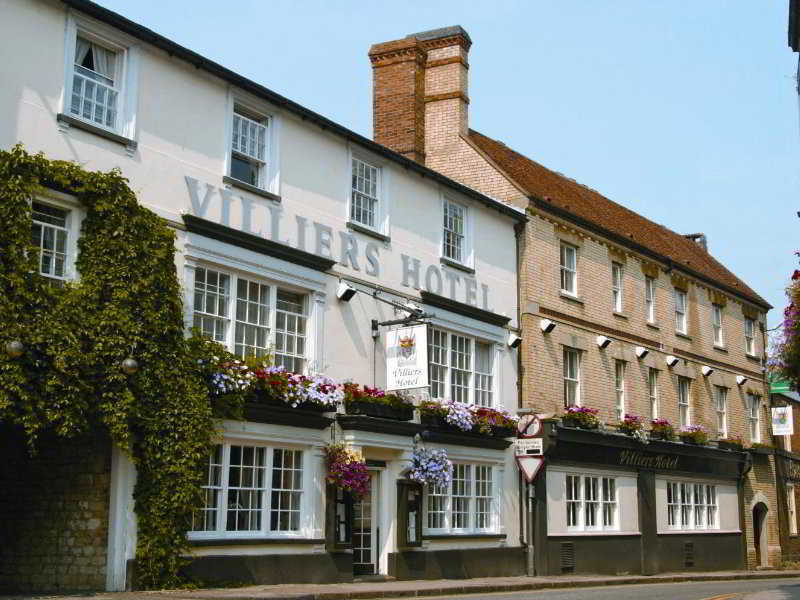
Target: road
[[762, 589]]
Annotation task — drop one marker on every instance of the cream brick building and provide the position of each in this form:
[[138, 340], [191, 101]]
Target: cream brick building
[[682, 340]]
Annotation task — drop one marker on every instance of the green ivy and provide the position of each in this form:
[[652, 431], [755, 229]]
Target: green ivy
[[127, 302]]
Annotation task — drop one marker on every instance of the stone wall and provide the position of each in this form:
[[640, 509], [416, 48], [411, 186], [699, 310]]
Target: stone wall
[[53, 513]]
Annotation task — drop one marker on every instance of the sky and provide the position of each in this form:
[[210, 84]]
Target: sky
[[683, 111]]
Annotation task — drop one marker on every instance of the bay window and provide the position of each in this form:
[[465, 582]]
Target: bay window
[[691, 506], [251, 490], [466, 505], [591, 503], [461, 368], [250, 317]]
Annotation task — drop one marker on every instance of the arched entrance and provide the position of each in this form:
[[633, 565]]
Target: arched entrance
[[760, 534]]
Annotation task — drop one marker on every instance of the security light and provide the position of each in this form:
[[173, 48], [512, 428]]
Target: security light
[[741, 380], [603, 341], [514, 340], [641, 351], [413, 310], [706, 370], [547, 325], [345, 291], [672, 360]]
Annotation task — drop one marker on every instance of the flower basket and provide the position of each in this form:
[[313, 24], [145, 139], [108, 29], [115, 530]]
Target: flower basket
[[439, 422], [346, 470], [271, 400], [447, 415], [736, 444], [631, 425], [279, 387], [381, 411], [431, 467], [661, 429], [694, 434], [581, 417]]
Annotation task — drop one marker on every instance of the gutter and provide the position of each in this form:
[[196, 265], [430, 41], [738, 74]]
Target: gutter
[[623, 241], [173, 49]]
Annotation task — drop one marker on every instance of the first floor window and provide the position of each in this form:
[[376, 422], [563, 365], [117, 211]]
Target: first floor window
[[249, 147], [364, 200], [683, 402], [50, 234], [721, 406], [572, 377], [569, 272], [95, 84], [591, 502], [616, 286], [467, 504], [754, 414], [691, 505], [251, 489], [652, 391], [455, 226], [251, 317], [791, 509], [680, 311], [461, 368], [716, 324], [619, 388], [749, 336], [650, 299]]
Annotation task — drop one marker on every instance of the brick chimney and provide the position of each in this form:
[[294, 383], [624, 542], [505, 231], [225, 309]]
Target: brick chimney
[[420, 90]]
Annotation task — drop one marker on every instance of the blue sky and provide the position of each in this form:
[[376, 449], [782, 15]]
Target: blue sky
[[685, 112]]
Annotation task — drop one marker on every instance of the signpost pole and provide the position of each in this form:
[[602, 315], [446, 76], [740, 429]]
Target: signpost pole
[[529, 567]]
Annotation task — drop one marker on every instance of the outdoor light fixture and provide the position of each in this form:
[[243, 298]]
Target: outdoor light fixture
[[672, 360], [129, 366], [413, 310], [741, 380], [641, 351], [15, 348], [547, 325], [603, 341], [345, 291], [706, 370], [513, 340]]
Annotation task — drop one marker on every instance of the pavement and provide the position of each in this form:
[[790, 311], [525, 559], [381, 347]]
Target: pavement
[[425, 588]]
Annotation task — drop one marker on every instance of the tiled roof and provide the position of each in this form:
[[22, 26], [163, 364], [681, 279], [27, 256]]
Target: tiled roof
[[568, 196]]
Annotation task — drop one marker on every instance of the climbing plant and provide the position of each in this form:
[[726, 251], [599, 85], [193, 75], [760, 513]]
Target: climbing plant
[[784, 360], [126, 302]]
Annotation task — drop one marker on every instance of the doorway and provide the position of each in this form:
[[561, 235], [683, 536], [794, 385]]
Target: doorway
[[760, 534], [366, 530]]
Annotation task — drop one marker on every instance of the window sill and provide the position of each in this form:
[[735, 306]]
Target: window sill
[[255, 541], [456, 265], [621, 315], [752, 357], [571, 297], [593, 533], [683, 335], [367, 231], [653, 326], [720, 349], [69, 121], [462, 536], [250, 188], [696, 531]]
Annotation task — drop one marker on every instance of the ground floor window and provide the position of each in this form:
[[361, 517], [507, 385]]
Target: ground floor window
[[251, 490], [691, 505], [591, 503], [468, 504]]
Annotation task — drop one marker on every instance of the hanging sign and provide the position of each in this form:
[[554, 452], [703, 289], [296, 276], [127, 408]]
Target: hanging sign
[[528, 448], [407, 358], [782, 421]]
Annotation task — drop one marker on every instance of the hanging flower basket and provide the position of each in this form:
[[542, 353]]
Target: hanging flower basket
[[431, 467], [582, 417], [346, 470], [374, 402]]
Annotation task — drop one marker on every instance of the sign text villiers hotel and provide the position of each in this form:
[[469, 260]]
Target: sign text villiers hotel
[[319, 239], [636, 458]]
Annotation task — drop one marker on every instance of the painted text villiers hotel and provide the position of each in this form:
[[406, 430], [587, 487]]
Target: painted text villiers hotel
[[298, 236]]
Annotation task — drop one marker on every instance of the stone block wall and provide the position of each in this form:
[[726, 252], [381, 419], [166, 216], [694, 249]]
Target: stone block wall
[[53, 513]]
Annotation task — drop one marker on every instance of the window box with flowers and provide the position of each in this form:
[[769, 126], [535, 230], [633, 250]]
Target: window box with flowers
[[694, 434], [661, 429], [633, 426], [374, 402], [581, 417], [452, 416], [734, 443], [275, 386], [761, 448]]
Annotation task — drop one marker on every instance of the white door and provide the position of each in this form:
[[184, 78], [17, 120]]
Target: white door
[[365, 530]]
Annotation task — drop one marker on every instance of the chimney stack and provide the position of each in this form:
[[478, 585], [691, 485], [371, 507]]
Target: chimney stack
[[699, 238], [420, 90]]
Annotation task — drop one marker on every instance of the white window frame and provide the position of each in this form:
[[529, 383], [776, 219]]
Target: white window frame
[[75, 215], [619, 388], [754, 417], [126, 67], [684, 401], [229, 340], [650, 298], [572, 379], [467, 254], [717, 325], [585, 496], [617, 286], [220, 532], [685, 512], [652, 391], [791, 509], [750, 336], [567, 270], [681, 306], [721, 410], [479, 384], [383, 178], [446, 504], [269, 177]]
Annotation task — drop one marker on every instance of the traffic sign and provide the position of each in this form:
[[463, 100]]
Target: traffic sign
[[530, 465]]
